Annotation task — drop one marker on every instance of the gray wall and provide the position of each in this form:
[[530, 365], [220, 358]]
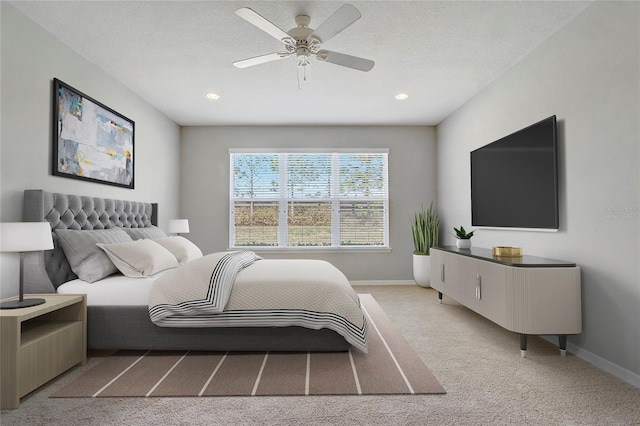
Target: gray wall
[[205, 185], [31, 58], [588, 75]]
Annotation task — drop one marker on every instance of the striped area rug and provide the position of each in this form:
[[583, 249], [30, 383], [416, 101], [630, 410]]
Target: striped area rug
[[390, 367]]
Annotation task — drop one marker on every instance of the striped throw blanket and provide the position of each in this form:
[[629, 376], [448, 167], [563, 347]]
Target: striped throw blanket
[[183, 293], [239, 289]]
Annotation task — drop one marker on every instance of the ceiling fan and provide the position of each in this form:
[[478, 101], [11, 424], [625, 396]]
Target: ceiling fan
[[305, 42]]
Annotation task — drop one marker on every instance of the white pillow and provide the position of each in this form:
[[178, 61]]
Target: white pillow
[[140, 258], [183, 249]]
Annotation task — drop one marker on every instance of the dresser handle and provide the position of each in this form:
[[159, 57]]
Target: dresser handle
[[442, 272], [478, 287]]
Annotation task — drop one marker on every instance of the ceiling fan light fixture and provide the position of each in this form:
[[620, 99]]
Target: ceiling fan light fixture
[[401, 96], [213, 96]]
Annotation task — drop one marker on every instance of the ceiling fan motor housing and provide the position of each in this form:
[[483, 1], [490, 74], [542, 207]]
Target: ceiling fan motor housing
[[302, 46]]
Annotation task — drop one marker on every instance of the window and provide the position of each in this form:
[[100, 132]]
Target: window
[[309, 199]]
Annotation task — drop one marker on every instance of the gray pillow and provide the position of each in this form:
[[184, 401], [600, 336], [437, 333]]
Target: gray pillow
[[86, 259], [151, 233]]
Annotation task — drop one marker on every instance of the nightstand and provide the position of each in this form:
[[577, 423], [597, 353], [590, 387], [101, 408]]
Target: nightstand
[[39, 343]]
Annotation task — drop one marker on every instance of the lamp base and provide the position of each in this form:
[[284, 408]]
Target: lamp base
[[16, 304]]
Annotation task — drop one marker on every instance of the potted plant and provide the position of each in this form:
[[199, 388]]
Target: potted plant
[[425, 235], [463, 237]]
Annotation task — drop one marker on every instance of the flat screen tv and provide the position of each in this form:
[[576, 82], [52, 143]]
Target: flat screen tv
[[514, 180]]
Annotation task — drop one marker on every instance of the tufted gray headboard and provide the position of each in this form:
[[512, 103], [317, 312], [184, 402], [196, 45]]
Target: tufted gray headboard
[[45, 271]]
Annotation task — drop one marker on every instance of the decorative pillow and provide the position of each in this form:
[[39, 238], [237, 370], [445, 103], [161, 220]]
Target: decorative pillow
[[151, 232], [183, 249], [87, 261], [140, 258]]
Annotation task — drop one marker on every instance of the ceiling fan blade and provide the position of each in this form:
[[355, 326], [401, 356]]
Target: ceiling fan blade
[[345, 60], [249, 62], [341, 19], [261, 22]]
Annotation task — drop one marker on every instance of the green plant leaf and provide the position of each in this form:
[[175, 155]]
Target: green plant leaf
[[462, 233], [425, 225]]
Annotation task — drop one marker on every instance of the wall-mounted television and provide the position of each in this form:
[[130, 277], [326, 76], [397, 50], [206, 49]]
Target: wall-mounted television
[[514, 180]]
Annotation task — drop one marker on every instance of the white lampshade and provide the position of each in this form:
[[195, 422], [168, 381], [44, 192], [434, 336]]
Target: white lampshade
[[25, 236], [179, 226], [21, 237]]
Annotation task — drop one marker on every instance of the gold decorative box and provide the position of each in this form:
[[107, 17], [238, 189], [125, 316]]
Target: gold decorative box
[[502, 251]]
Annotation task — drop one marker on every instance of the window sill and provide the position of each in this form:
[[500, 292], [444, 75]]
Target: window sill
[[368, 250]]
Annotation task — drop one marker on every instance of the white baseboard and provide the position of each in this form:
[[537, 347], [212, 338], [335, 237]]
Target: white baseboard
[[383, 282], [603, 364]]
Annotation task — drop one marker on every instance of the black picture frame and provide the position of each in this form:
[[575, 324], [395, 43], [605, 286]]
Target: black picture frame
[[91, 141]]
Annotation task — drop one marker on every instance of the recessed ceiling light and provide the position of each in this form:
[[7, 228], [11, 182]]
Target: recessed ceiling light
[[401, 96], [213, 96]]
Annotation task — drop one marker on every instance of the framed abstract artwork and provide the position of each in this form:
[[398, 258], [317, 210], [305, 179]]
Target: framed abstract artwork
[[90, 140]]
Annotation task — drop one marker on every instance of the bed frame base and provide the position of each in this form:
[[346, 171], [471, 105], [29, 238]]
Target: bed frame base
[[129, 327]]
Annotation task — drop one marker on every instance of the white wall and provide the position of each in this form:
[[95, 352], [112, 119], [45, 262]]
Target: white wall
[[587, 74], [31, 58], [205, 185]]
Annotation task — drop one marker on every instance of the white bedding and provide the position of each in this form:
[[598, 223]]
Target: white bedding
[[112, 290]]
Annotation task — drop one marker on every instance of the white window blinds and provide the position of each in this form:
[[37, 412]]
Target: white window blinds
[[309, 199]]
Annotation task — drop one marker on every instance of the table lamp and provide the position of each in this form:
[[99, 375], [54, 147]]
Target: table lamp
[[19, 237], [179, 226]]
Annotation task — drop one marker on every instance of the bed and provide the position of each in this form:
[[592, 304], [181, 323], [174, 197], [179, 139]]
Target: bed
[[125, 323]]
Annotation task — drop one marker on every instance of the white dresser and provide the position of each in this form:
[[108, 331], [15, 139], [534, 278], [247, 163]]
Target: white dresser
[[526, 295]]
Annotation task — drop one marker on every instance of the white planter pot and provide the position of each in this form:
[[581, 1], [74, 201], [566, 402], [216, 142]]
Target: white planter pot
[[463, 244], [422, 270]]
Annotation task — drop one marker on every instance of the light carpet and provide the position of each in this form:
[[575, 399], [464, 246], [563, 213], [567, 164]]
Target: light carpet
[[391, 367], [476, 361]]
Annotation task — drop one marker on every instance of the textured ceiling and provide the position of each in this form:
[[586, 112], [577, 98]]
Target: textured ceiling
[[172, 53]]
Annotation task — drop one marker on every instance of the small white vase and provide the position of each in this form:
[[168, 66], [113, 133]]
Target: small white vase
[[463, 243], [422, 269]]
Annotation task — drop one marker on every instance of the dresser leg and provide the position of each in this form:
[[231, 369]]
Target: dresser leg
[[440, 297], [562, 344], [523, 345]]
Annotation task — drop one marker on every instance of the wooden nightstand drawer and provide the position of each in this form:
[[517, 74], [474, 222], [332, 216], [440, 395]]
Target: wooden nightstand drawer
[[61, 341], [39, 343]]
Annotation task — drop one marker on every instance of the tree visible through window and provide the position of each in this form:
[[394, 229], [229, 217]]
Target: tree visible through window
[[306, 199]]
